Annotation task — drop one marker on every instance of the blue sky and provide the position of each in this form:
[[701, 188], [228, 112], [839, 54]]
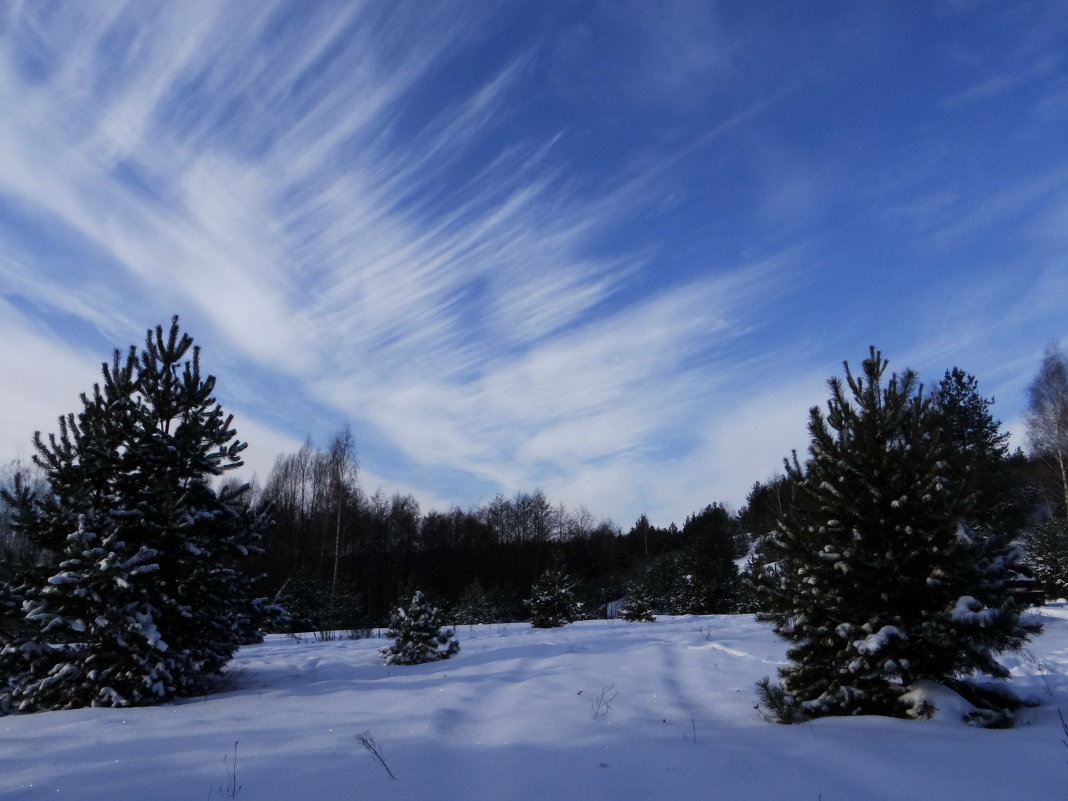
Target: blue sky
[[608, 249]]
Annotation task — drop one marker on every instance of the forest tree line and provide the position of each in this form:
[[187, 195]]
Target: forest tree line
[[342, 554], [338, 556], [363, 552]]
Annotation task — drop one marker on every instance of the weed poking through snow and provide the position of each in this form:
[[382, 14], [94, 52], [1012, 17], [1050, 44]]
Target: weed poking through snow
[[232, 788], [367, 741], [1030, 658]]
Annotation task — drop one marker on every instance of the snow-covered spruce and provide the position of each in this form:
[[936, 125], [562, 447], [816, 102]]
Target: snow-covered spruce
[[145, 599], [417, 635], [552, 600], [873, 576]]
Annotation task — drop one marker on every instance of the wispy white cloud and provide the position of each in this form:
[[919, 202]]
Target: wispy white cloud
[[450, 329], [1010, 204], [324, 195], [51, 374], [608, 396]]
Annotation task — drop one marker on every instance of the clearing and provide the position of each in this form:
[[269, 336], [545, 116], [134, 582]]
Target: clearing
[[595, 710]]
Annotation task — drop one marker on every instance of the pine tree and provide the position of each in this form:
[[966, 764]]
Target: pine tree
[[417, 635], [708, 582], [552, 600], [978, 463], [661, 578], [145, 599], [874, 579]]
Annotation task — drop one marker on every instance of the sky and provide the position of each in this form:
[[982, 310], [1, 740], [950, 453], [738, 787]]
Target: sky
[[611, 250]]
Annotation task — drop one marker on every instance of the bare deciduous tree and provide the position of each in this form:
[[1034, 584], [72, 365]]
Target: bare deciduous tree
[[339, 467], [1047, 419]]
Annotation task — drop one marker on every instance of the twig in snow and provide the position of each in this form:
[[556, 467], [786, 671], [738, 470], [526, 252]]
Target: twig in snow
[[1064, 727], [367, 741], [604, 701]]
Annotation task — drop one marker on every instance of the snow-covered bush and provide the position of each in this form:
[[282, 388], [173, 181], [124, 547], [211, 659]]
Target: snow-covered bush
[[417, 635], [313, 605]]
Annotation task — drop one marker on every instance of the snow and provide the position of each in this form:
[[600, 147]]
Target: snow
[[970, 610], [515, 716], [879, 640], [67, 577], [949, 707], [146, 625]]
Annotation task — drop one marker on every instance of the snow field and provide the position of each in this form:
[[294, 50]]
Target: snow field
[[513, 717]]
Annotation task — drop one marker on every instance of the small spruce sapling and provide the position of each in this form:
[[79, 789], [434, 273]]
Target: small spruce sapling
[[417, 635], [474, 606]]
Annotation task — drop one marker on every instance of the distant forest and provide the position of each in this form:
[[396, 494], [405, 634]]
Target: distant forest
[[332, 541]]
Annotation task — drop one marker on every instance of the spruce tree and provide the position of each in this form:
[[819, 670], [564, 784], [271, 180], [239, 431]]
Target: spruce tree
[[145, 598], [417, 635], [552, 600], [637, 608], [873, 577]]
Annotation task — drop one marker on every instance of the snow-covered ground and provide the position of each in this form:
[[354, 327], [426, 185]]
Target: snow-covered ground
[[596, 710]]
